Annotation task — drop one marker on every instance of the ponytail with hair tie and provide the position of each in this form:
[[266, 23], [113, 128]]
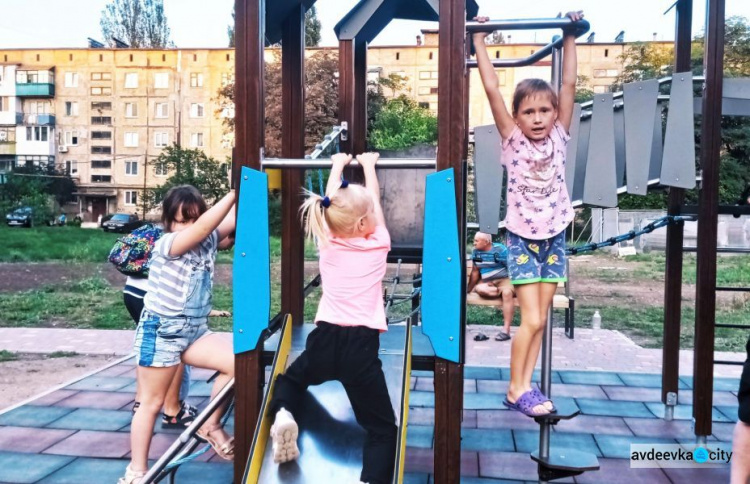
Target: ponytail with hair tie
[[326, 202]]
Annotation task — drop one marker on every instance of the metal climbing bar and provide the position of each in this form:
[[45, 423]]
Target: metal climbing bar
[[305, 164]]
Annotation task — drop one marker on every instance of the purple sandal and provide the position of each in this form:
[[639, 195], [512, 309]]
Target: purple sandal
[[543, 399], [525, 404]]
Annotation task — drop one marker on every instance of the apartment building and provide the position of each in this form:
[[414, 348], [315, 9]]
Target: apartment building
[[104, 115]]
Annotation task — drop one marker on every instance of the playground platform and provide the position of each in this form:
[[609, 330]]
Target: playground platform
[[79, 433]]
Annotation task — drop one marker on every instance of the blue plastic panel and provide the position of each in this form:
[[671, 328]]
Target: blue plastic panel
[[678, 163], [488, 177], [251, 271], [441, 268]]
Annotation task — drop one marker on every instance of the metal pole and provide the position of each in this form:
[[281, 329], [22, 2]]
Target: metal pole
[[304, 164]]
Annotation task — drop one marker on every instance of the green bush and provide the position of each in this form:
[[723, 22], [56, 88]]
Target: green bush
[[401, 123]]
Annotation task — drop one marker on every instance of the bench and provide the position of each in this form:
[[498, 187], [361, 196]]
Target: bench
[[560, 301]]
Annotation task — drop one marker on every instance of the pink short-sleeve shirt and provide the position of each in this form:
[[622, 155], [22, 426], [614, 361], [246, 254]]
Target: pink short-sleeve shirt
[[351, 272], [539, 206]]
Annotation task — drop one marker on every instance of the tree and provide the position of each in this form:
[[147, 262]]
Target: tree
[[312, 28], [395, 82], [402, 124], [138, 23], [495, 38], [36, 187], [188, 167]]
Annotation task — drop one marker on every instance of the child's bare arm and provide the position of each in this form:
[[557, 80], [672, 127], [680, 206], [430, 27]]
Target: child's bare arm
[[567, 95], [504, 121], [368, 161], [202, 228], [340, 160], [227, 226]]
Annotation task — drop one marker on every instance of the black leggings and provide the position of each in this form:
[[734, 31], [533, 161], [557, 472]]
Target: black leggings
[[134, 306]]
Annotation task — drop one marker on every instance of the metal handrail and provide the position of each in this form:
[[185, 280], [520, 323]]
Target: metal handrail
[[307, 164], [328, 139]]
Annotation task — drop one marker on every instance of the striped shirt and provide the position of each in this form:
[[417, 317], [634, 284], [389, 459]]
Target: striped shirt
[[169, 277], [492, 264]]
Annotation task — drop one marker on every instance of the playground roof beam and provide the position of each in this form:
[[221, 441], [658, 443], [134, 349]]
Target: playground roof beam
[[277, 12], [369, 17]]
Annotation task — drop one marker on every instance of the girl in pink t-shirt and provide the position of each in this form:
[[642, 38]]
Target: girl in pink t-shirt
[[539, 208], [349, 227]]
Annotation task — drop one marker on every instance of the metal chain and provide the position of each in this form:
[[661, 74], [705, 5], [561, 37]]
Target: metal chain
[[656, 224]]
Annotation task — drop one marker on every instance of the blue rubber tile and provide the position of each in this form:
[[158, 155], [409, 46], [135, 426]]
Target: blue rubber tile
[[130, 388], [28, 468], [419, 373], [527, 441], [483, 401], [684, 412], [535, 377], [33, 416], [201, 389], [93, 419], [204, 472], [720, 384], [82, 470], [591, 378], [646, 380], [728, 412], [420, 436], [481, 373], [482, 480], [422, 399], [416, 478], [102, 383], [613, 408], [687, 381], [618, 446], [487, 440]]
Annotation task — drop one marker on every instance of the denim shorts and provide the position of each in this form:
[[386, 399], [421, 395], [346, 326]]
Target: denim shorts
[[536, 260], [160, 342]]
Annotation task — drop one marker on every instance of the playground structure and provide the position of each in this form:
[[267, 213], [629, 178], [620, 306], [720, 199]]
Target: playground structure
[[603, 169]]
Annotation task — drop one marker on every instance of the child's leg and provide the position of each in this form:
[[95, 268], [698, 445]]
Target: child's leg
[[154, 383], [509, 307], [172, 400], [546, 293]]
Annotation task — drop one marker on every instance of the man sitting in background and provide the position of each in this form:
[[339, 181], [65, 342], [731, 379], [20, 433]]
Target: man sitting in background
[[489, 277]]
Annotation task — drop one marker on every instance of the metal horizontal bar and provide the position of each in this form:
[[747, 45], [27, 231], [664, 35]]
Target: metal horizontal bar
[[301, 164], [732, 326], [733, 289], [722, 250], [727, 362], [736, 210]]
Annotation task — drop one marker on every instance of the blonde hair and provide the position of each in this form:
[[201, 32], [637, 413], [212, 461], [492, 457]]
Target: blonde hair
[[347, 207]]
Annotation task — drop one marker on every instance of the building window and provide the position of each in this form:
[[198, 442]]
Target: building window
[[101, 179], [101, 106], [101, 150], [71, 79], [430, 55], [196, 79], [160, 169], [131, 80], [131, 197], [428, 75], [131, 110], [7, 134], [398, 55], [101, 164], [131, 140], [196, 140], [4, 103], [131, 168], [101, 135], [600, 72], [612, 73], [161, 80], [196, 110], [423, 90], [71, 138], [600, 89], [101, 120], [71, 108], [161, 140], [162, 110], [227, 78], [105, 76], [37, 133], [424, 105], [606, 52], [101, 91], [71, 167]]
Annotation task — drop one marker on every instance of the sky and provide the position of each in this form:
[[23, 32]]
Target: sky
[[203, 23]]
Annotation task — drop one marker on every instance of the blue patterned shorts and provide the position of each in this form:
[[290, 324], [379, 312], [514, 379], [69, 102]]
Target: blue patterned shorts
[[160, 342], [536, 260]]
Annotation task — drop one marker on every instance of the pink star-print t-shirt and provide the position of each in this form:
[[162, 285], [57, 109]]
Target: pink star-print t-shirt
[[538, 202]]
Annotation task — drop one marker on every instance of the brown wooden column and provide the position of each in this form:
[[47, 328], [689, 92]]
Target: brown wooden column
[[292, 146], [452, 131], [708, 217], [674, 256], [249, 136], [353, 93]]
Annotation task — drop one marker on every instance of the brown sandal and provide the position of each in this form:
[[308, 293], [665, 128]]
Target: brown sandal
[[225, 450]]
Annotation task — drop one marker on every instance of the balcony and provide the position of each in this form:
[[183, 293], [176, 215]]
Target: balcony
[[39, 119], [7, 147], [10, 118], [35, 89]]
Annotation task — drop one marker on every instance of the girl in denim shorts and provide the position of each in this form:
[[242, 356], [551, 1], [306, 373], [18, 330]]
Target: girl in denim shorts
[[173, 325]]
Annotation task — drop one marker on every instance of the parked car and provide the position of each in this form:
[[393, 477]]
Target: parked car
[[20, 217], [122, 222], [105, 218]]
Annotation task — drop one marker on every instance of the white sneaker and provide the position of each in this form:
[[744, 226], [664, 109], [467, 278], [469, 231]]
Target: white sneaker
[[284, 433]]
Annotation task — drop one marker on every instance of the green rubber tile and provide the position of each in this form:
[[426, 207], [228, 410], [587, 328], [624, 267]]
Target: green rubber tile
[[33, 416], [487, 440], [93, 419], [82, 469], [102, 383], [19, 468], [527, 441], [684, 412], [420, 436], [618, 446], [612, 408]]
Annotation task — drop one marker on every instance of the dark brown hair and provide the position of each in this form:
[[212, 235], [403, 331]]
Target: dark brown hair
[[530, 88], [185, 199]]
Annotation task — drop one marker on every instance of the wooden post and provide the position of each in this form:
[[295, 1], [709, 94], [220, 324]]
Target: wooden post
[[292, 146], [353, 100], [452, 129], [674, 254], [249, 136], [708, 215]]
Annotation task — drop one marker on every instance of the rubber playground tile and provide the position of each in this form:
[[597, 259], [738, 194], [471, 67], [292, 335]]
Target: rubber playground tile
[[200, 389], [420, 460], [82, 469], [482, 373], [421, 415], [30, 439], [103, 400], [205, 472], [87, 443], [730, 412], [618, 446], [118, 370], [482, 480], [535, 377], [577, 391], [93, 419], [723, 431], [503, 419], [648, 427], [684, 412], [618, 471], [483, 401], [487, 440], [719, 398], [510, 465], [418, 373], [421, 399], [416, 478], [591, 378], [720, 384], [631, 394], [528, 441], [700, 474], [33, 416], [129, 388], [613, 408], [646, 380], [28, 468], [427, 384], [419, 436], [492, 386], [594, 424], [102, 383], [54, 397]]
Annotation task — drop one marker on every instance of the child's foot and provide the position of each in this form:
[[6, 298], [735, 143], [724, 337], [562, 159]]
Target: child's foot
[[183, 419], [284, 433], [528, 404], [544, 399], [131, 476]]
